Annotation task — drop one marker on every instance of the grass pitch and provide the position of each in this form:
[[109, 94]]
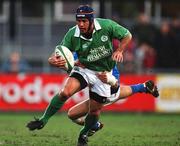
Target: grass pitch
[[119, 130]]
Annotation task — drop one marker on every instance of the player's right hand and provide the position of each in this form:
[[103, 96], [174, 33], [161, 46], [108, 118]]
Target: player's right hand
[[57, 61]]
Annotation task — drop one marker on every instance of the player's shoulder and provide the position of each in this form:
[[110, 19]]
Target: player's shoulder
[[71, 30], [104, 22]]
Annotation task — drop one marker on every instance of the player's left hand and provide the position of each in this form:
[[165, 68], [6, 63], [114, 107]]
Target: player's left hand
[[117, 56]]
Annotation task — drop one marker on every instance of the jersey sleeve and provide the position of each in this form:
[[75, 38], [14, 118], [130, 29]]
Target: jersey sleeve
[[67, 41], [118, 31]]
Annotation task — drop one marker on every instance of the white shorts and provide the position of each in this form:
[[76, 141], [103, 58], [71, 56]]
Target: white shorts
[[113, 98], [96, 85]]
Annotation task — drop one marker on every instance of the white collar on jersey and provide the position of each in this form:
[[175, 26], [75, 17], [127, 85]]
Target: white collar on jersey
[[96, 25]]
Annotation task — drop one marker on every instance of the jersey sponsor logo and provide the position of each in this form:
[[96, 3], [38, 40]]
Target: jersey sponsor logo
[[98, 53], [104, 38]]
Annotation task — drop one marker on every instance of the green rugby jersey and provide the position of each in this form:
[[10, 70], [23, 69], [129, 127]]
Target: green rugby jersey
[[95, 53]]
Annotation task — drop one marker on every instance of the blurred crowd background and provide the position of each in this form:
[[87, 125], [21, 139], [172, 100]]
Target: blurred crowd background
[[30, 30]]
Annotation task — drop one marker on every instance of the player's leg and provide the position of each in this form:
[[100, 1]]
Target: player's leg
[[77, 113], [98, 95], [90, 120], [125, 91], [72, 86], [146, 87]]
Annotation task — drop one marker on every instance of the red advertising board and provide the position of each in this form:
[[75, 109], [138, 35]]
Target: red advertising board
[[32, 92]]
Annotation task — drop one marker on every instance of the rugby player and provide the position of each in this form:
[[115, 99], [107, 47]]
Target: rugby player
[[91, 39]]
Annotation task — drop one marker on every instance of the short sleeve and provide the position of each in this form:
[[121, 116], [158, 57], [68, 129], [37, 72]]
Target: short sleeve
[[67, 41], [118, 31]]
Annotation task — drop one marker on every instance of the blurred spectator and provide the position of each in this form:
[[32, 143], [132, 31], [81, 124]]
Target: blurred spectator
[[129, 62], [166, 48], [144, 31], [15, 64], [176, 32], [140, 55], [145, 58], [176, 27], [149, 58]]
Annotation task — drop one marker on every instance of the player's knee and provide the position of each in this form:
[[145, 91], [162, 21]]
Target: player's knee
[[65, 94], [125, 91], [95, 112], [71, 114]]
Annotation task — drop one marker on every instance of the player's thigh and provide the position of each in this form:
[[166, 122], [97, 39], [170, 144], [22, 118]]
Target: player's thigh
[[95, 107], [72, 86], [79, 110]]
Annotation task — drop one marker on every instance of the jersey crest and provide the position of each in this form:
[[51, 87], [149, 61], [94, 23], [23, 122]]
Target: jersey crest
[[104, 38]]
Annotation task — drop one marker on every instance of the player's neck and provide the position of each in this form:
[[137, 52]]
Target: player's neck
[[88, 35]]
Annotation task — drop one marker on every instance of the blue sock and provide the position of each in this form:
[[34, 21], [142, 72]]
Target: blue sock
[[138, 88], [96, 126]]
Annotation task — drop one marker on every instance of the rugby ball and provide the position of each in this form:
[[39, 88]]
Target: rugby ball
[[65, 53]]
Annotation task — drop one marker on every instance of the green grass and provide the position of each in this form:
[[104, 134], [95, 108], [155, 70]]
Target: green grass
[[119, 130]]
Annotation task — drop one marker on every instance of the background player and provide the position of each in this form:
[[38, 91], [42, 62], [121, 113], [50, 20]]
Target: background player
[[77, 112]]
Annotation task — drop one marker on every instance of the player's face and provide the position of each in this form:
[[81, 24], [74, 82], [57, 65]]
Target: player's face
[[83, 24]]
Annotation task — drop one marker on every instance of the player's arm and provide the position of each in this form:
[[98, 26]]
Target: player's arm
[[123, 35], [107, 77], [118, 54]]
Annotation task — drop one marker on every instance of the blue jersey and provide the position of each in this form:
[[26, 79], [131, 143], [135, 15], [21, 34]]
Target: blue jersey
[[115, 71], [75, 56]]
